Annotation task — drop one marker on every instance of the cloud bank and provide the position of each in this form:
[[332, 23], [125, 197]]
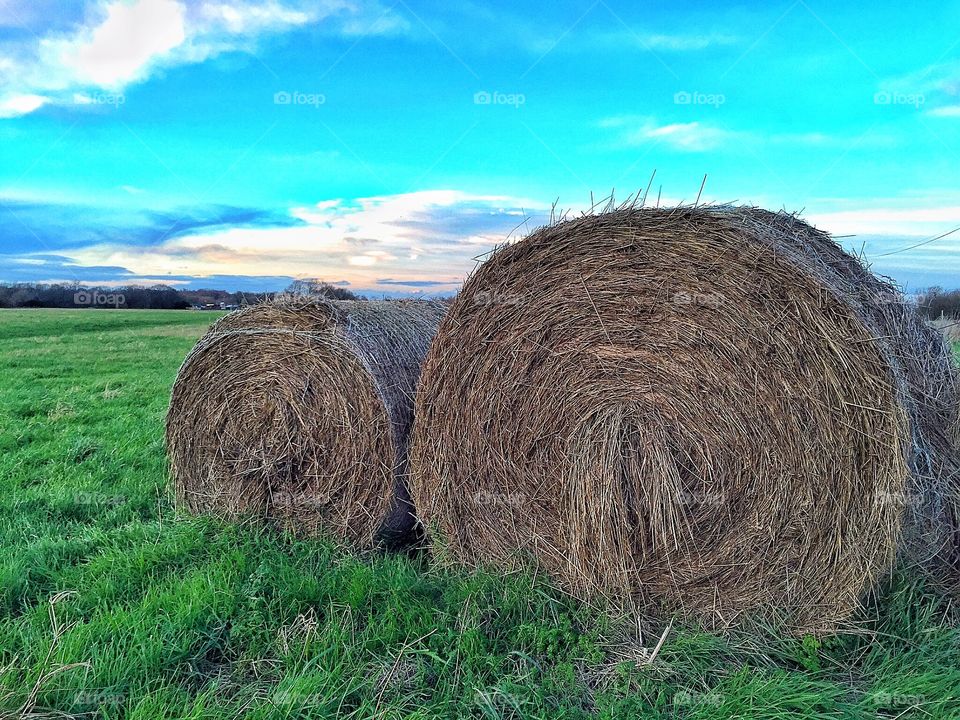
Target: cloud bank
[[426, 240]]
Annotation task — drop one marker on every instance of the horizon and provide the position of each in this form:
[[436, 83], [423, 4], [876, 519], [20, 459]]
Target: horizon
[[385, 148]]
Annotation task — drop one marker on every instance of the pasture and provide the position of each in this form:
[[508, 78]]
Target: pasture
[[115, 605]]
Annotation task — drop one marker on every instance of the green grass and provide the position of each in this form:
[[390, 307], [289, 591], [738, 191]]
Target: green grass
[[112, 605]]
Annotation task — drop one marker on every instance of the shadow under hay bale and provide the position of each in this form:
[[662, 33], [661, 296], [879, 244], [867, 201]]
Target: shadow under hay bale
[[694, 409], [298, 412]]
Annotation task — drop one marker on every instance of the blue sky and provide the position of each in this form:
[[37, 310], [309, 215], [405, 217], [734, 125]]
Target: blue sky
[[388, 145]]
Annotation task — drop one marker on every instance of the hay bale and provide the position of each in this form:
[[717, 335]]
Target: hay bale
[[298, 411], [692, 409], [928, 385]]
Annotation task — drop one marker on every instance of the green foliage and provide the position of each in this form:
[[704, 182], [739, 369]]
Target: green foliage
[[113, 605]]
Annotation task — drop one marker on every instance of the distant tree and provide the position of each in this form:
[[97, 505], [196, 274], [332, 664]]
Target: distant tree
[[25, 296], [159, 297], [936, 303], [318, 288]]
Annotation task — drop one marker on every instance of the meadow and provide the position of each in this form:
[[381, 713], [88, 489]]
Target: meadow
[[115, 605]]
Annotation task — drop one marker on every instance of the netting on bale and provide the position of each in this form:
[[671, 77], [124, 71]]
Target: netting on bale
[[298, 411], [694, 409]]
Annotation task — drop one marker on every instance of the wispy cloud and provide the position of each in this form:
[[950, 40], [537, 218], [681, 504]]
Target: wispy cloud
[[636, 39], [413, 283], [699, 136], [680, 42], [942, 77], [887, 220], [683, 136], [950, 111], [41, 225], [120, 43], [936, 86]]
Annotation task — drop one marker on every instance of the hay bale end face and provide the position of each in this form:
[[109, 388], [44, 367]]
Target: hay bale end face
[[681, 407], [298, 412]]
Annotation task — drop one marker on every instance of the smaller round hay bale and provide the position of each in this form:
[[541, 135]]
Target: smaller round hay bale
[[297, 411]]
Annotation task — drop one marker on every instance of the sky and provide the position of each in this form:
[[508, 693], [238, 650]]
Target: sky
[[388, 146]]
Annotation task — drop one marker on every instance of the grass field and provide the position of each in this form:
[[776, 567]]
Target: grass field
[[113, 605]]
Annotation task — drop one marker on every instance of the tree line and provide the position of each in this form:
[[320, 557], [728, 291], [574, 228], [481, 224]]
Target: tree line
[[934, 303], [157, 297], [937, 303]]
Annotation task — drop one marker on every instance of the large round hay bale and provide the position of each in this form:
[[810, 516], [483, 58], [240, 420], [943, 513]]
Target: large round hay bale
[[928, 385], [689, 408], [298, 411]]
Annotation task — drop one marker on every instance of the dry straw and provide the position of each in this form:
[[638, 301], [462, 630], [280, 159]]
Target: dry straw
[[711, 411], [298, 411]]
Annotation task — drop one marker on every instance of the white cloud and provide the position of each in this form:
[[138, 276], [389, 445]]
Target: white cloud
[[16, 105], [680, 43], [431, 235], [887, 220], [691, 136], [686, 137], [121, 49], [635, 39], [697, 136], [946, 111], [239, 18], [123, 42], [940, 78]]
